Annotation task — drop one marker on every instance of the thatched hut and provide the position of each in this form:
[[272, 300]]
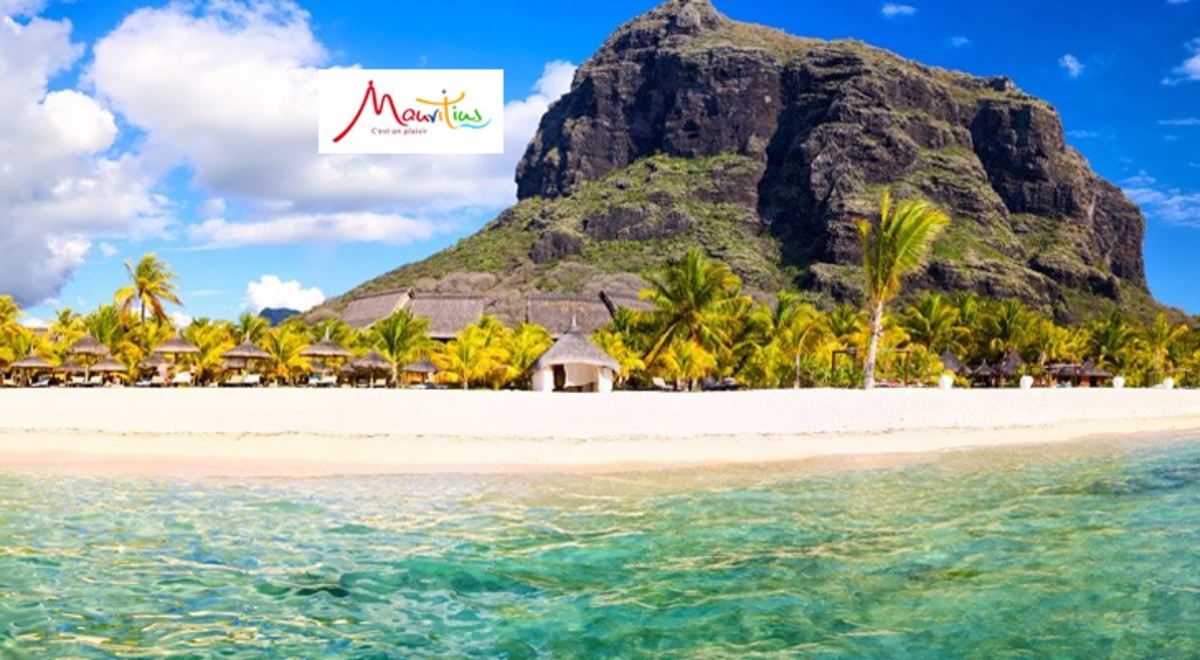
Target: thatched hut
[[69, 367], [951, 363], [1010, 365], [555, 312], [88, 346], [986, 375], [31, 364], [325, 350], [177, 346], [574, 364], [365, 311], [246, 351], [1080, 375], [448, 313]]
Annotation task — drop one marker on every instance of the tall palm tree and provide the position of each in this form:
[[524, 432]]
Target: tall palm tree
[[798, 328], [1007, 326], [1159, 338], [400, 338], [691, 298], [285, 344], [895, 244], [151, 284], [613, 343], [105, 326], [212, 339]]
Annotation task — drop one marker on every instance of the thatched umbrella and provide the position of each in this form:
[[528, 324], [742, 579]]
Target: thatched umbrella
[[324, 350], [70, 367], [177, 346], [87, 348], [155, 361], [371, 363], [246, 351], [423, 367], [985, 373], [31, 363], [1010, 363], [109, 366]]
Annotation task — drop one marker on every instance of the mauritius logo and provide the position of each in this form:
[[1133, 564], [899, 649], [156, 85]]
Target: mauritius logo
[[411, 111], [448, 112]]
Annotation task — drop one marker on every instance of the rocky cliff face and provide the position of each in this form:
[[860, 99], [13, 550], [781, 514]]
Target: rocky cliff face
[[689, 128]]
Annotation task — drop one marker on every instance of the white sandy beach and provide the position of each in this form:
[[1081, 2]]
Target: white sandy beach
[[314, 432]]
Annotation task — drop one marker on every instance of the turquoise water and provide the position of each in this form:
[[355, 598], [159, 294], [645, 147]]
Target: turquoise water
[[1086, 551]]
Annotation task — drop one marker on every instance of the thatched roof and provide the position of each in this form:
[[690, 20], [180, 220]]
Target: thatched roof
[[177, 346], [246, 351], [448, 313], [421, 367], [372, 361], [984, 371], [70, 367], [617, 301], [1086, 370], [1010, 363], [554, 312], [155, 361], [365, 311], [31, 361], [109, 366], [325, 349], [952, 364], [575, 348], [87, 346]]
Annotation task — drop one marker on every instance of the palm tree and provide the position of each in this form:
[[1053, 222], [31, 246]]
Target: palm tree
[[799, 328], [470, 357], [896, 244], [151, 285], [525, 345], [686, 361], [613, 343], [105, 326], [400, 338], [691, 297], [933, 323], [284, 344], [252, 327], [1110, 340], [212, 339], [1160, 337], [1007, 326]]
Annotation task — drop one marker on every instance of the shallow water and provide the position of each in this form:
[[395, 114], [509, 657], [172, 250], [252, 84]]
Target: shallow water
[[1082, 551]]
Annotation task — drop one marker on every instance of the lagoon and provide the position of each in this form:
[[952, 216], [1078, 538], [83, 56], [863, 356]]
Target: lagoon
[[1072, 550]]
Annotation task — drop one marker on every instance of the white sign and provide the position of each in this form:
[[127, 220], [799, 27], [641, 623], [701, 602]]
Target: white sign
[[411, 111]]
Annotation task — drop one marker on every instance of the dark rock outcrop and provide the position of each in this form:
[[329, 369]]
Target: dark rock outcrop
[[832, 123]]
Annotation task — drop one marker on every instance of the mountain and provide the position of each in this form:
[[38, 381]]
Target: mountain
[[687, 128], [277, 315]]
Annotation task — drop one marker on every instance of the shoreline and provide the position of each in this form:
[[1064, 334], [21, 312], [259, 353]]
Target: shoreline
[[293, 433]]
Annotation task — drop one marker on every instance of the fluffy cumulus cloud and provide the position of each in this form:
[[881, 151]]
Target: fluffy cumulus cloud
[[270, 291], [162, 68], [892, 10], [1164, 203], [58, 189], [1186, 122], [1071, 65], [330, 227]]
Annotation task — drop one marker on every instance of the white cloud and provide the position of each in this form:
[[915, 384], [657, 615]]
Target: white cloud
[[1072, 65], [108, 250], [960, 41], [31, 322], [1185, 122], [1164, 203], [330, 227], [270, 291], [1190, 69], [1083, 135], [58, 190], [258, 144], [213, 207], [891, 10], [180, 320]]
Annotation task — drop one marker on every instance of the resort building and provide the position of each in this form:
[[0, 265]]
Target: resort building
[[450, 312], [447, 312], [574, 364]]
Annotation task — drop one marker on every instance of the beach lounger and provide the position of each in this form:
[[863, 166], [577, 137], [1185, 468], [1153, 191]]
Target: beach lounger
[[182, 380], [661, 385], [44, 381], [236, 380], [95, 381]]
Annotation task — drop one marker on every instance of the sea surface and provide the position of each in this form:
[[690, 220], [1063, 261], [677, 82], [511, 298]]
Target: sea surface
[[1079, 551]]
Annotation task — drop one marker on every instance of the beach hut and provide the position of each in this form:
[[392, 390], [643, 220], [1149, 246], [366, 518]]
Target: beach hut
[[574, 364], [421, 370], [986, 376], [951, 363], [1081, 375], [31, 364], [72, 369], [1010, 365]]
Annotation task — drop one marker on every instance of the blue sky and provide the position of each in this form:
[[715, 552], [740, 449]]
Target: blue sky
[[173, 160]]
